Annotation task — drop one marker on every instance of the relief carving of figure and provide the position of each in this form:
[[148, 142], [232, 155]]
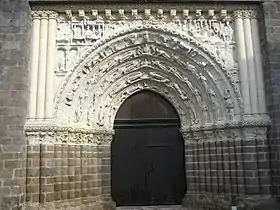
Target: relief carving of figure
[[61, 60], [229, 104], [197, 95], [72, 57], [121, 71], [91, 111], [158, 77], [206, 114], [63, 32], [217, 110], [69, 98], [203, 80], [192, 69], [179, 60], [174, 71], [227, 32], [158, 64], [211, 94], [78, 111], [188, 83], [178, 89], [77, 32], [192, 114]]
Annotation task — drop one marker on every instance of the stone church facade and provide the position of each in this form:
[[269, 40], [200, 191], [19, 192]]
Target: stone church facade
[[67, 67]]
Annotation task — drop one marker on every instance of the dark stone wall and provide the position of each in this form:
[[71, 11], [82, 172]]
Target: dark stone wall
[[272, 81], [14, 60], [217, 171], [62, 176]]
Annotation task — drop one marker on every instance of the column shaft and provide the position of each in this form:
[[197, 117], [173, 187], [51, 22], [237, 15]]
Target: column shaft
[[34, 67], [50, 68], [242, 63], [251, 66], [40, 112], [258, 66]]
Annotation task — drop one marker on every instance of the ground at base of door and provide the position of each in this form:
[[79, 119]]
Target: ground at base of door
[[150, 208]]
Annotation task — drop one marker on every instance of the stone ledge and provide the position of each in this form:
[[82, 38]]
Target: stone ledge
[[95, 205], [224, 202]]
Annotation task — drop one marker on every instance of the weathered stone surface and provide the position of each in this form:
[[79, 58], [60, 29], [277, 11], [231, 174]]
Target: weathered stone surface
[[14, 62], [272, 76], [71, 176]]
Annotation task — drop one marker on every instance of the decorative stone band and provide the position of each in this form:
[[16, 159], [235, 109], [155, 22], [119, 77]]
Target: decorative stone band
[[58, 135], [245, 14], [265, 122], [95, 8], [44, 14], [150, 14], [246, 130], [66, 135]]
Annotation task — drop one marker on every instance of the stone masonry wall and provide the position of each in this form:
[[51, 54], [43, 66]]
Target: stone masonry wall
[[14, 60], [65, 176], [216, 171], [272, 77]]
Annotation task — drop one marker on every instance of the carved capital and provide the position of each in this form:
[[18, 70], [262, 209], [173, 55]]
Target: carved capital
[[238, 14], [44, 14], [245, 14], [40, 137], [35, 15], [251, 14], [53, 15]]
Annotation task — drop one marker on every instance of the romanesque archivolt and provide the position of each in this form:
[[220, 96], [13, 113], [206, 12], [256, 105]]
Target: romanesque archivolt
[[149, 58], [206, 62]]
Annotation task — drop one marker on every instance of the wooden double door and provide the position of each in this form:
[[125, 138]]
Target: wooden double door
[[147, 153]]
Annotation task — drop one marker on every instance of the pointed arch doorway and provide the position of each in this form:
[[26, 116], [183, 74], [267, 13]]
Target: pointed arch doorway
[[148, 161]]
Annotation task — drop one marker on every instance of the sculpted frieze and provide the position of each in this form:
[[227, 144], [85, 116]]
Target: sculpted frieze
[[213, 29]]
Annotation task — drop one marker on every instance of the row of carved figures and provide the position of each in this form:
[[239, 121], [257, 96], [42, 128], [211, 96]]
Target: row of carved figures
[[87, 32]]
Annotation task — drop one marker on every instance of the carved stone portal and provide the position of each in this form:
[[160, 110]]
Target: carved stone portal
[[186, 55]]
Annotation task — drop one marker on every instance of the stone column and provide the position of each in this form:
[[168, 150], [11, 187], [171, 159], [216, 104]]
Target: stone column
[[258, 63], [242, 62], [250, 61], [40, 111], [50, 65], [34, 64]]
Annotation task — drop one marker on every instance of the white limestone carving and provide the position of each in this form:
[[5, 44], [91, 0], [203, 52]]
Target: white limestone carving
[[187, 55], [120, 71], [214, 33], [61, 60]]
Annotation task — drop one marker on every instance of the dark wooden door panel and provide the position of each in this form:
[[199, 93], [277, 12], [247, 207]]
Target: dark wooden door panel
[[147, 153]]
